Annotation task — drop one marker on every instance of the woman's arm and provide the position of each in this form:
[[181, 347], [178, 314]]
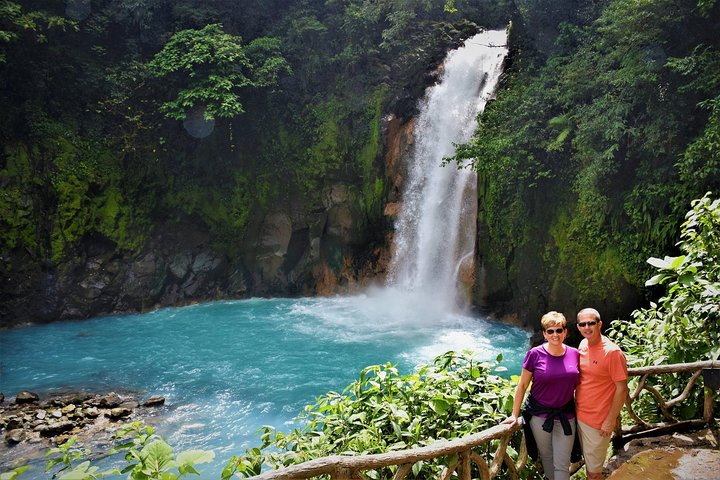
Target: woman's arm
[[525, 378]]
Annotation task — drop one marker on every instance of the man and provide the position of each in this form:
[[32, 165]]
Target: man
[[601, 393]]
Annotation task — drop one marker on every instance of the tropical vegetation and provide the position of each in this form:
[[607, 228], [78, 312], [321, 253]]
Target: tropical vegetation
[[95, 133], [606, 127], [455, 395], [603, 132]]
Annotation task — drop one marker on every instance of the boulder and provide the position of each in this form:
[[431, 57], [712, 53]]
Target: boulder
[[26, 397], [275, 235], [14, 436], [92, 412], [154, 401], [131, 405], [111, 400], [180, 264], [11, 423], [54, 428], [119, 412]]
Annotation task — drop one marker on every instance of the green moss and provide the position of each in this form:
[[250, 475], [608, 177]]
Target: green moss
[[582, 264], [62, 188], [17, 216]]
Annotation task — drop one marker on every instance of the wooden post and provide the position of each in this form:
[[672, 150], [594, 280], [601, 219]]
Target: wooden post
[[465, 473], [345, 473]]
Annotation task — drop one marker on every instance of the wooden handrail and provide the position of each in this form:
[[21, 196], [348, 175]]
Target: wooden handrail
[[440, 448], [341, 467]]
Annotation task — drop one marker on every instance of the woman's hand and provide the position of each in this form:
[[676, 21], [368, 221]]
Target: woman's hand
[[511, 420]]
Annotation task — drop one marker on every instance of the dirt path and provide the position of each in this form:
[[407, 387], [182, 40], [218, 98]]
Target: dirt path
[[693, 456]]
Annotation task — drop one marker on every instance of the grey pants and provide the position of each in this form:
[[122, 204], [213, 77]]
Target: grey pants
[[554, 448]]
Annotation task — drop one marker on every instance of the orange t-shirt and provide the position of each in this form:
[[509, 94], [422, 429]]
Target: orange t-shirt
[[600, 367]]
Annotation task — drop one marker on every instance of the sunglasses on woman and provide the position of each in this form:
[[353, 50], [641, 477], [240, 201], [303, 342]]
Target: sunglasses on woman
[[551, 331]]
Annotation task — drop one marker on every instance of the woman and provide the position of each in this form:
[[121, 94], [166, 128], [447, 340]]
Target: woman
[[550, 410]]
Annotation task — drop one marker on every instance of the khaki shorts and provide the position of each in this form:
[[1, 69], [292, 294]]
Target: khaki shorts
[[594, 447]]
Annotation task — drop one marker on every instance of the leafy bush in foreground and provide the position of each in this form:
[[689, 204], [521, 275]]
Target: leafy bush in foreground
[[147, 455], [684, 326], [384, 411]]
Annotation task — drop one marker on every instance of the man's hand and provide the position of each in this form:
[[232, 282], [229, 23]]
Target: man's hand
[[607, 427]]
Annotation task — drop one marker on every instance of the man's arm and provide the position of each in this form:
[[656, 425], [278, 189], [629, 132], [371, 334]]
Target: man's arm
[[621, 393]]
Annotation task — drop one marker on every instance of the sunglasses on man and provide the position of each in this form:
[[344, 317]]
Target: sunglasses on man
[[587, 324]]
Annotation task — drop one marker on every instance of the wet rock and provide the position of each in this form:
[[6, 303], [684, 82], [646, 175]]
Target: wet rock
[[111, 400], [2, 397], [14, 436], [11, 423], [34, 427], [120, 412], [73, 398], [54, 428], [180, 264], [26, 397], [92, 412], [154, 402], [131, 405]]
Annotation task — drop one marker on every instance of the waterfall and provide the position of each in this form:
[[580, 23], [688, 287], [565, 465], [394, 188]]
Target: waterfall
[[436, 227]]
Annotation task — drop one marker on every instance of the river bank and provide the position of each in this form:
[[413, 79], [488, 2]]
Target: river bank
[[30, 424]]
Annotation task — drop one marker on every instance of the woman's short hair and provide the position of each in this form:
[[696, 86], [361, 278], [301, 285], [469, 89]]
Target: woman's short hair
[[552, 319]]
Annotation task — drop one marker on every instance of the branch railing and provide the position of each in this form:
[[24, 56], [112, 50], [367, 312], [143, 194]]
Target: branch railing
[[463, 460], [645, 428]]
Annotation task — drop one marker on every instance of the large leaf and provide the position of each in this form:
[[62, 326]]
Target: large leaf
[[439, 405], [157, 456], [81, 472], [659, 263], [195, 457]]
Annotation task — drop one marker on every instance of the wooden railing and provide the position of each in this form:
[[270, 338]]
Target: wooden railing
[[643, 428], [460, 454]]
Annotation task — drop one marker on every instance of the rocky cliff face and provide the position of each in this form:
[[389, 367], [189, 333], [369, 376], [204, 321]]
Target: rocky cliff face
[[534, 277], [288, 250]]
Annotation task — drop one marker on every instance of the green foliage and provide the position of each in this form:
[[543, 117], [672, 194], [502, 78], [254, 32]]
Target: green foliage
[[14, 22], [210, 68], [328, 148], [384, 411], [372, 184], [684, 326], [87, 185], [14, 473], [64, 188], [65, 454], [16, 201], [608, 133], [225, 209], [148, 457]]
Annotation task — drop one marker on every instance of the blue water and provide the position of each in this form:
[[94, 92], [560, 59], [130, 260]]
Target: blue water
[[227, 368]]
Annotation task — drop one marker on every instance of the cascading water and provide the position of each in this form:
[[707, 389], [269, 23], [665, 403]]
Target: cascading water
[[435, 230]]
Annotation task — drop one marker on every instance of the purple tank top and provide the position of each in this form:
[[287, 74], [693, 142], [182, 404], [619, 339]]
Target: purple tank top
[[554, 378]]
